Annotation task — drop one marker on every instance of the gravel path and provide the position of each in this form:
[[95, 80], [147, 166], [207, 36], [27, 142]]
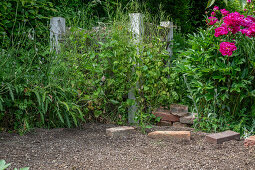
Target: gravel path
[[90, 148]]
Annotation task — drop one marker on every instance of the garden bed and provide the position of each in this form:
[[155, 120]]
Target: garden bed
[[90, 148]]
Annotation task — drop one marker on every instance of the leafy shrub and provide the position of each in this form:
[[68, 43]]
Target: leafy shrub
[[89, 80], [107, 65], [218, 69]]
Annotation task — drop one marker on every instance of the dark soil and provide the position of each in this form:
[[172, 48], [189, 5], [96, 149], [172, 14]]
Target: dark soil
[[90, 148]]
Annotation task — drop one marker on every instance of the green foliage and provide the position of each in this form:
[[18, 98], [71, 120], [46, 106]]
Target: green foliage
[[25, 15], [231, 4], [3, 166], [221, 87], [105, 65], [89, 80]]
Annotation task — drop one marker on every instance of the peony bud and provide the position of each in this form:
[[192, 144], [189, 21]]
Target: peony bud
[[103, 79]]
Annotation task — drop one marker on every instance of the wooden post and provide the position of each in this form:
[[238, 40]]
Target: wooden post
[[57, 30], [170, 35], [137, 30]]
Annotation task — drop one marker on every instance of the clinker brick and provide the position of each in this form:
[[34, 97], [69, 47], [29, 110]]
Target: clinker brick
[[250, 141], [165, 116], [185, 135], [119, 131], [221, 137]]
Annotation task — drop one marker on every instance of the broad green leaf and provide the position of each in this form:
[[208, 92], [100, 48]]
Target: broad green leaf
[[25, 168], [60, 116], [66, 105], [42, 116], [74, 118], [67, 120], [242, 3], [11, 92], [38, 97], [114, 101], [3, 164], [146, 88], [226, 2], [97, 113], [148, 126], [1, 104], [130, 102]]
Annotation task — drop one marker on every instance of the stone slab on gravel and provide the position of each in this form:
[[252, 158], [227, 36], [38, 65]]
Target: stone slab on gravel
[[165, 116], [179, 110], [170, 135], [119, 131], [221, 137], [188, 119], [250, 141]]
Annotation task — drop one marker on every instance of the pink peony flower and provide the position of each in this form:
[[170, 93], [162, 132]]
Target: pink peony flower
[[235, 29], [227, 48], [245, 31], [251, 30], [248, 1], [247, 22], [213, 14], [251, 18], [223, 30], [216, 8], [224, 12], [211, 20], [233, 19]]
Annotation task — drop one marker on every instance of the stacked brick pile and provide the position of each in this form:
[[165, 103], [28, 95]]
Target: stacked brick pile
[[178, 116]]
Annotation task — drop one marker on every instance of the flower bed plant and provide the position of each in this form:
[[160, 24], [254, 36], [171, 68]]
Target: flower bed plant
[[218, 69]]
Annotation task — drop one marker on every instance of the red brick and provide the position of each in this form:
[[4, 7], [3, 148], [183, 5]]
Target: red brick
[[165, 116], [170, 135], [164, 123], [250, 141], [221, 137], [119, 131]]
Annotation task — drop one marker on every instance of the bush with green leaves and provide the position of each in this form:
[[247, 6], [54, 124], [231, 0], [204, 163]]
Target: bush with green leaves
[[105, 64], [88, 80], [220, 79]]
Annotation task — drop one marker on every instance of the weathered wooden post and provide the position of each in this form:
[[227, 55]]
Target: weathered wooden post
[[57, 30], [170, 35], [137, 29]]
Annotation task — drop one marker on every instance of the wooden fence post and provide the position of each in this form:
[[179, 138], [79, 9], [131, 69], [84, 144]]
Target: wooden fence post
[[57, 30], [137, 30], [170, 35]]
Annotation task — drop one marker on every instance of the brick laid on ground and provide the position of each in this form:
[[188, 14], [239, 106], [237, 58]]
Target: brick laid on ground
[[166, 116], [185, 135], [119, 131], [179, 110], [188, 119], [221, 137], [250, 141]]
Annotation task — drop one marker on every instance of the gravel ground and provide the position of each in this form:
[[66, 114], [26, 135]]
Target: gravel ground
[[90, 148]]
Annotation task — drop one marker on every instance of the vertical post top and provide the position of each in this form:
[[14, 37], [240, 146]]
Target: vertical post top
[[167, 24], [135, 14], [57, 18]]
